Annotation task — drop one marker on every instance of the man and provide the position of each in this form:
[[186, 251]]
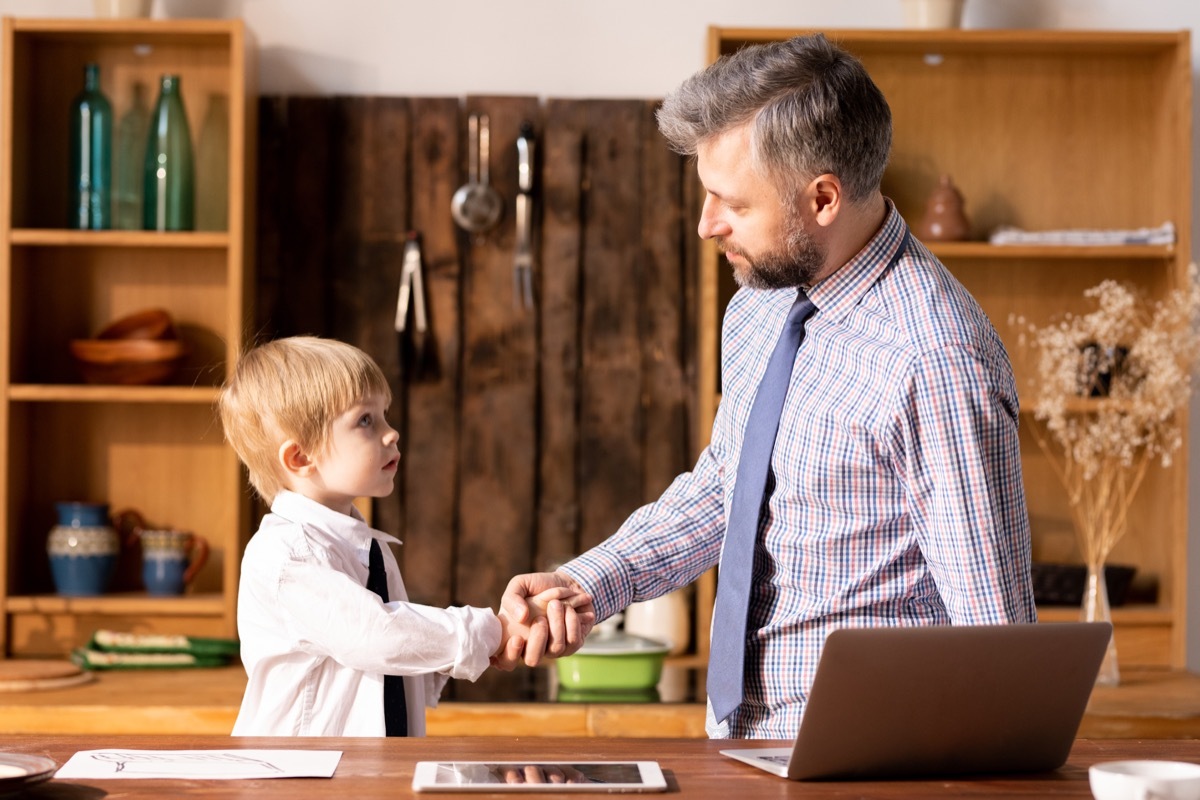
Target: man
[[893, 494]]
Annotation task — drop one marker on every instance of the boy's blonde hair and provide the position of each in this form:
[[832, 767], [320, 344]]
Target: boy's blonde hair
[[292, 388]]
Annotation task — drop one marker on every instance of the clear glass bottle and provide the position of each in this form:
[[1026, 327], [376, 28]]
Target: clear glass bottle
[[212, 161], [91, 155], [169, 189], [129, 161]]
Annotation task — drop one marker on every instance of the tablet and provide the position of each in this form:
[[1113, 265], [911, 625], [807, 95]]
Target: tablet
[[533, 776]]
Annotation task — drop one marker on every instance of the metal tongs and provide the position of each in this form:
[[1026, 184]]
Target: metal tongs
[[413, 358], [523, 260]]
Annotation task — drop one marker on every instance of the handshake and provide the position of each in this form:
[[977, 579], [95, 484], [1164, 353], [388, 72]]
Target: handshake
[[542, 615]]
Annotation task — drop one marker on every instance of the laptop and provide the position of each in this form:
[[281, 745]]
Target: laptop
[[942, 700]]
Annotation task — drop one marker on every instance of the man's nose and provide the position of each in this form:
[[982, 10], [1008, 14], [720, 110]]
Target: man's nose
[[711, 223]]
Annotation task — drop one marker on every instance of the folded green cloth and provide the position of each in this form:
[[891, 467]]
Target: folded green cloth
[[90, 659], [116, 642]]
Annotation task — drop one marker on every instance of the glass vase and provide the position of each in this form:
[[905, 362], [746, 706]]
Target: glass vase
[[1097, 609], [129, 161], [169, 193], [91, 155]]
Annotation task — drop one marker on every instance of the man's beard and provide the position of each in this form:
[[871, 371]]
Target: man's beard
[[796, 263]]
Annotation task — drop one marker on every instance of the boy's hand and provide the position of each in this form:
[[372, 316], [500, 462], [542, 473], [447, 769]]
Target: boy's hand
[[512, 642]]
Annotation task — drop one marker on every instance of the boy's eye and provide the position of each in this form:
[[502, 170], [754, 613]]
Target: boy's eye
[[365, 421]]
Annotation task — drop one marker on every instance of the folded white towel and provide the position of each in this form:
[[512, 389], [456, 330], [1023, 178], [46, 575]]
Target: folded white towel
[[1163, 234]]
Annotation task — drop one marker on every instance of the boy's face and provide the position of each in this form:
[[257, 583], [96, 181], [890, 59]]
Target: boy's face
[[360, 458]]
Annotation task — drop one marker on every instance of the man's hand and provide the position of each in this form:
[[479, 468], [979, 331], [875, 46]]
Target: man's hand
[[569, 616]]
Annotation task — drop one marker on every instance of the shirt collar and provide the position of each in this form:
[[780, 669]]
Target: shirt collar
[[353, 528], [842, 290]]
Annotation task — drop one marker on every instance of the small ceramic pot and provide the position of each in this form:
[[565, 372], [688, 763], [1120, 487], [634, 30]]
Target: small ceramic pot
[[667, 618], [945, 219], [170, 559], [83, 549]]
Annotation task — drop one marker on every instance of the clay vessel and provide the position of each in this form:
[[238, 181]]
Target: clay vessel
[[944, 220]]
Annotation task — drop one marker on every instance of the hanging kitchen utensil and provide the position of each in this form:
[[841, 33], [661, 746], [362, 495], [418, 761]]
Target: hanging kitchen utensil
[[417, 358], [523, 260], [476, 206]]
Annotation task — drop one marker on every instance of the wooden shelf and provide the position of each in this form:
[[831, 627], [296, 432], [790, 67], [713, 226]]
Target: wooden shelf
[[80, 32], [135, 603], [1026, 252], [58, 237], [66, 393], [1022, 42], [156, 449], [1113, 110], [1122, 615]]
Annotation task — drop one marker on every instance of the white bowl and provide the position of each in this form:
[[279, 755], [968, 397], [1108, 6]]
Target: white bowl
[[1145, 780]]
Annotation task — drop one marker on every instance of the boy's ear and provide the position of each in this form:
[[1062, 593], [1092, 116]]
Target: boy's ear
[[294, 460]]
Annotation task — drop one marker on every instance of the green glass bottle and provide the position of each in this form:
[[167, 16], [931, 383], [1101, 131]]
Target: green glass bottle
[[91, 156], [169, 188]]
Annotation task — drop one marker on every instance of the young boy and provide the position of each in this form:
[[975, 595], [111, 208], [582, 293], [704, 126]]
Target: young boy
[[321, 649]]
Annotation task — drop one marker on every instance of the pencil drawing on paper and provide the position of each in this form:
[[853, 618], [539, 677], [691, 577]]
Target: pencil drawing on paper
[[223, 763]]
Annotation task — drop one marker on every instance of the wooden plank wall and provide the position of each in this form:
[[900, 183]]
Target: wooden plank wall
[[529, 435]]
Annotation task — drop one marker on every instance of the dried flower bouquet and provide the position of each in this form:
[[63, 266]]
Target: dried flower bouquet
[[1132, 359]]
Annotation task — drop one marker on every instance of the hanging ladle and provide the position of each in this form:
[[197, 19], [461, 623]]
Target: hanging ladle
[[476, 206]]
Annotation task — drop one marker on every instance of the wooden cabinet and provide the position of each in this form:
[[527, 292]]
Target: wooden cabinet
[[1040, 130], [158, 449]]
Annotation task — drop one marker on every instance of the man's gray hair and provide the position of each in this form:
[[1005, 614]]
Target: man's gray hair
[[813, 108]]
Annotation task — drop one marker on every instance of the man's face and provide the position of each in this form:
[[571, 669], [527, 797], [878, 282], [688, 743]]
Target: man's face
[[768, 246]]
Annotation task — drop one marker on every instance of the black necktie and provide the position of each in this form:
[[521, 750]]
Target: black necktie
[[727, 656], [395, 708]]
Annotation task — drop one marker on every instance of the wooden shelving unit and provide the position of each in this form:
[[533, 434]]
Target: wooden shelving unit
[[1040, 130], [158, 449]]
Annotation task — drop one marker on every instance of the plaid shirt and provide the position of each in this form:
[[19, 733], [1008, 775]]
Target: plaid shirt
[[897, 477]]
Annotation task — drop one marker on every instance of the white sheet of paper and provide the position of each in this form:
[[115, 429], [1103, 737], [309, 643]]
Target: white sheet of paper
[[201, 764]]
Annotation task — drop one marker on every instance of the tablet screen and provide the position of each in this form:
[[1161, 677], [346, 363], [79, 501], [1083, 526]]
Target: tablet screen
[[607, 776]]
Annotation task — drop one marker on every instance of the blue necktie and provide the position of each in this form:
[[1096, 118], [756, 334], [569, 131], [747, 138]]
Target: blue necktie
[[727, 656], [395, 707]]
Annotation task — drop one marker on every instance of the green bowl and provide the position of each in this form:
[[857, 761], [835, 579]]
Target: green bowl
[[614, 663], [565, 695]]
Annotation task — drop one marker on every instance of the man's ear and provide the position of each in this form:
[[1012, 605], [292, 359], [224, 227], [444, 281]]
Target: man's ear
[[825, 195], [294, 460]]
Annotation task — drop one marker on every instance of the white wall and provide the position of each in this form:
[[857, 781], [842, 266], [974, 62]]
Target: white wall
[[596, 48], [560, 48]]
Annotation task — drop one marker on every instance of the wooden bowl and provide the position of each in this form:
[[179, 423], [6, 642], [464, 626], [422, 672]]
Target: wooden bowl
[[127, 362], [152, 323]]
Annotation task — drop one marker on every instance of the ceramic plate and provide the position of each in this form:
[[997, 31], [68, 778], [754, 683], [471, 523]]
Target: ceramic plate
[[18, 771]]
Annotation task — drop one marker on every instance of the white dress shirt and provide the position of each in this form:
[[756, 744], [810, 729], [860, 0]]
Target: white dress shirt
[[316, 642]]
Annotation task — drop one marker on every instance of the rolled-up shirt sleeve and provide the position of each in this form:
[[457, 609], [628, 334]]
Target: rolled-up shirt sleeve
[[328, 614]]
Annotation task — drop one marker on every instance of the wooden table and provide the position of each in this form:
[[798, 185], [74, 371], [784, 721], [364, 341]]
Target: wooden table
[[383, 768], [1148, 704]]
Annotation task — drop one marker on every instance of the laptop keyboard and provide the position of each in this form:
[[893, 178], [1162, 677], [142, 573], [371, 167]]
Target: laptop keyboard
[[780, 760]]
